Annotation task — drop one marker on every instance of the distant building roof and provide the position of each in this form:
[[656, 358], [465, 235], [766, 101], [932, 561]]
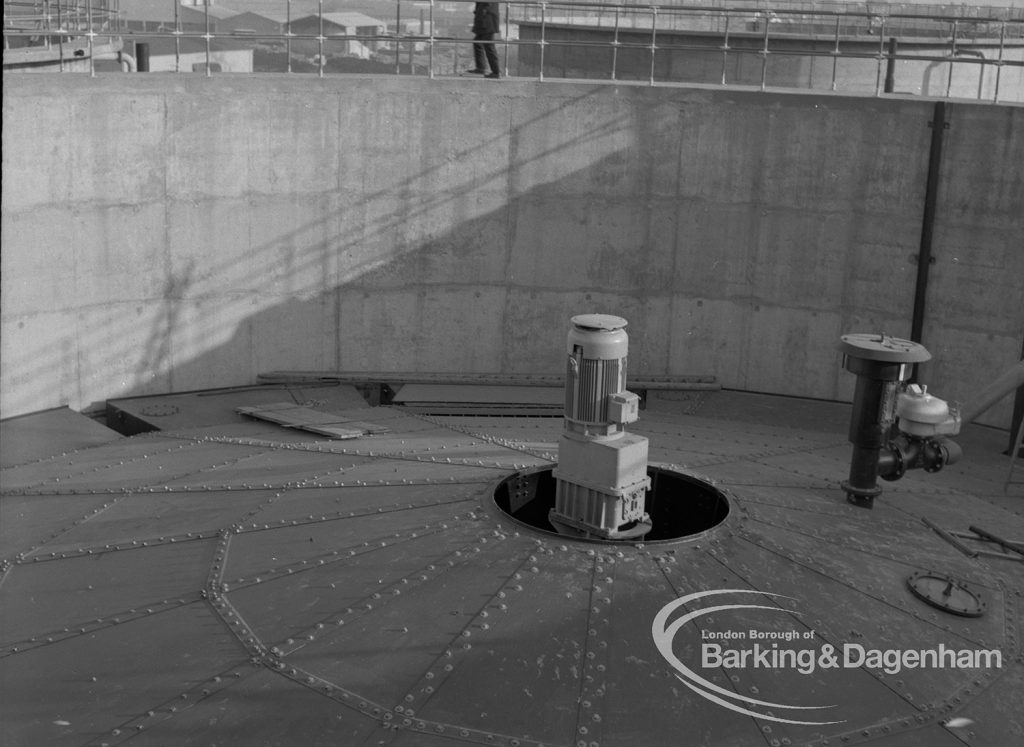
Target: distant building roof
[[269, 15], [347, 20]]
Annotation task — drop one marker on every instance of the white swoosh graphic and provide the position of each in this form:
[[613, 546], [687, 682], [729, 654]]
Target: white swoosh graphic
[[663, 638]]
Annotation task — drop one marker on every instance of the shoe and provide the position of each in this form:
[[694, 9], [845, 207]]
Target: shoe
[[475, 71], [493, 75]]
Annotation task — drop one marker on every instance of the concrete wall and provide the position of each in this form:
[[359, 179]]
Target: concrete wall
[[167, 233]]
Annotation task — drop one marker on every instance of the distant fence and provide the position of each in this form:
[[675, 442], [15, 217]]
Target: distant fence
[[980, 49]]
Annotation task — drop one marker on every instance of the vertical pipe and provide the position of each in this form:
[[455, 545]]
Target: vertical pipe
[[142, 57], [1018, 416], [430, 42], [890, 67], [924, 256], [288, 35]]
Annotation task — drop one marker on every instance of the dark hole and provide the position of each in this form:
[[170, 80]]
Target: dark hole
[[679, 505]]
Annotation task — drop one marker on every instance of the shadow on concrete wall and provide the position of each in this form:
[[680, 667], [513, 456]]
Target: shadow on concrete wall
[[739, 241]]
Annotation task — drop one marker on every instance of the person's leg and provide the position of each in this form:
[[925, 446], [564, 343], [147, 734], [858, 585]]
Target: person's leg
[[491, 52], [478, 54]]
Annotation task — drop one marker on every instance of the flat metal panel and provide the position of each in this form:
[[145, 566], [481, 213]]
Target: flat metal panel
[[28, 521], [95, 686], [59, 597], [261, 708]]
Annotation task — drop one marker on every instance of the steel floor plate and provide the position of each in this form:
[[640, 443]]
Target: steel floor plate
[[229, 582]]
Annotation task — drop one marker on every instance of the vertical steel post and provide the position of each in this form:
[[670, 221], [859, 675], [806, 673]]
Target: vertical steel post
[[206, 37], [177, 39], [890, 66], [89, 35], [615, 45], [952, 58], [288, 36], [508, 10], [924, 255], [60, 37], [430, 42], [320, 39], [654, 39], [725, 49], [398, 37], [999, 64], [764, 55], [835, 57], [880, 56], [543, 42]]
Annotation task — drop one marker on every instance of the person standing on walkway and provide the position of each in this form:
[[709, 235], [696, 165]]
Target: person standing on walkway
[[486, 24]]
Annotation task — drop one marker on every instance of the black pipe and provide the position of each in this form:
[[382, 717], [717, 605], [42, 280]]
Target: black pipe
[[890, 66], [1017, 419], [924, 255], [142, 57]]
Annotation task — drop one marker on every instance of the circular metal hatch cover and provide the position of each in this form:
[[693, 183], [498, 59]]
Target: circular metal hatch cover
[[946, 593]]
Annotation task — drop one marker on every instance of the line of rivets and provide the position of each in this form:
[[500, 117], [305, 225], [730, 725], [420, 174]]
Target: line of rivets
[[494, 440], [589, 723], [375, 600], [339, 515], [169, 708], [334, 556], [443, 666], [97, 624]]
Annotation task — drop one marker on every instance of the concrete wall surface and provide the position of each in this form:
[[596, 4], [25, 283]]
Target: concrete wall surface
[[167, 233]]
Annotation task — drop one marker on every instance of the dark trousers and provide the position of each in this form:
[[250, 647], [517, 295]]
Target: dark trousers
[[488, 50]]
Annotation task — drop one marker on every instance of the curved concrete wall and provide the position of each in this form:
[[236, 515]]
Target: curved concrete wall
[[167, 233]]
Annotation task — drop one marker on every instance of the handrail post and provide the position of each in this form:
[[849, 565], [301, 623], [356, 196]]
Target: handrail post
[[725, 48], [206, 37], [320, 39], [880, 56], [543, 42], [952, 58], [615, 45], [654, 40], [764, 54], [398, 37], [288, 36], [835, 57], [430, 42]]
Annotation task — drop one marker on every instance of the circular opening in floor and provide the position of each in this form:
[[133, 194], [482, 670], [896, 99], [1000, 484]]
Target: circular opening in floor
[[679, 505]]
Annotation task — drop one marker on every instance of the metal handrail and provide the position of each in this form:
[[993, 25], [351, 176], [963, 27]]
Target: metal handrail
[[661, 23]]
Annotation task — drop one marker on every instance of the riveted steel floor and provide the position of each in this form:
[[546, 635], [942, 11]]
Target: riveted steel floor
[[225, 581]]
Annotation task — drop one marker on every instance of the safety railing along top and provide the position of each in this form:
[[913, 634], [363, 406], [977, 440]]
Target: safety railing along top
[[946, 51]]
